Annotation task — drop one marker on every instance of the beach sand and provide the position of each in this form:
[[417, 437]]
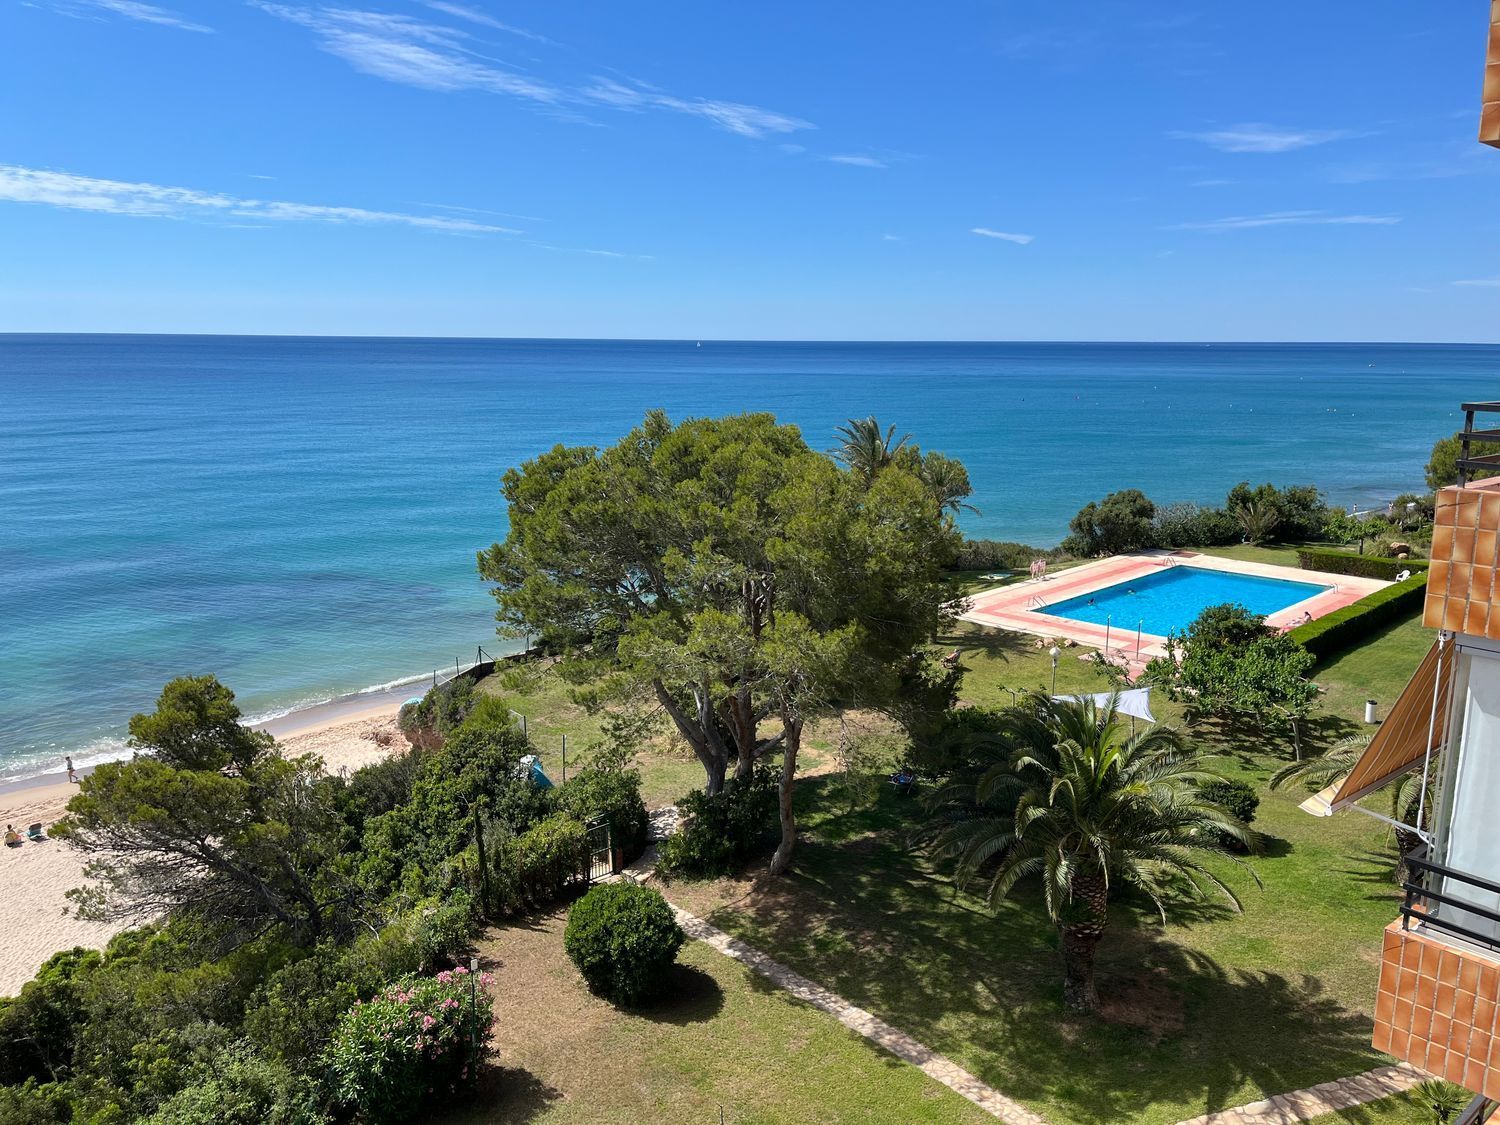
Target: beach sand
[[35, 876]]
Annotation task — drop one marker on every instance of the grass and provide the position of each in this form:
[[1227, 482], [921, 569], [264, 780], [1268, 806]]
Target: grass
[[1213, 1009], [726, 1040]]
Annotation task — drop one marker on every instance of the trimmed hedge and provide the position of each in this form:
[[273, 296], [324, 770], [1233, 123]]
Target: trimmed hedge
[[624, 939], [1360, 566], [1343, 627]]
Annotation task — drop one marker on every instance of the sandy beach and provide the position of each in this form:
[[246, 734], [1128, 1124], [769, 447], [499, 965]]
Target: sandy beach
[[35, 876]]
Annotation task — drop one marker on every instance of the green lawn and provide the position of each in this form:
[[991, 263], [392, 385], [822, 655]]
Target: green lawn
[[727, 1040], [1211, 1010]]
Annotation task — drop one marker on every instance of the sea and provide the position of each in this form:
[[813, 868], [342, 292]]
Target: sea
[[300, 516]]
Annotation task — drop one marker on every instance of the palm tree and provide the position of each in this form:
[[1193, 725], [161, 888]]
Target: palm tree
[[1257, 519], [948, 481], [1407, 795], [865, 449], [1066, 795]]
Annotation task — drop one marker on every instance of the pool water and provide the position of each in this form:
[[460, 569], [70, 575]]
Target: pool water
[[1169, 601]]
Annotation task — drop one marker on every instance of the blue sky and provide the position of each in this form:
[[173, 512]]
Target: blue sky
[[1103, 169]]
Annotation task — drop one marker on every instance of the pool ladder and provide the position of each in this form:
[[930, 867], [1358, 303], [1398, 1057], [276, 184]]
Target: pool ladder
[[1035, 602]]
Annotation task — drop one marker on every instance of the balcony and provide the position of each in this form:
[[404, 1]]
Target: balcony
[[1439, 990]]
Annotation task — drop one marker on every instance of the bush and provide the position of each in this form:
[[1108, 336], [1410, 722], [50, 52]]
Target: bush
[[237, 1087], [992, 554], [1119, 523], [1192, 525], [293, 1017], [1343, 627], [411, 1042], [717, 834], [428, 722], [624, 939], [615, 794], [1238, 798], [1360, 566], [1296, 512], [535, 868]]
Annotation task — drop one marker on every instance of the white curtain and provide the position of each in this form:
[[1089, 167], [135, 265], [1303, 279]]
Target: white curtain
[[1472, 844]]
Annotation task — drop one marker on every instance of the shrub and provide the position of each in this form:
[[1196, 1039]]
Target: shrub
[[718, 834], [535, 868], [1343, 627], [237, 1087], [1360, 566], [1296, 512], [991, 554], [428, 722], [615, 794], [1239, 799], [413, 1041], [1192, 525], [1119, 523], [624, 939], [293, 1017]]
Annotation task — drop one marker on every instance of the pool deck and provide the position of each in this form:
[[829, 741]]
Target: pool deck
[[1017, 607]]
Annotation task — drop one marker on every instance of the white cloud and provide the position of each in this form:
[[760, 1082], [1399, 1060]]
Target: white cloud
[[132, 10], [1481, 282], [118, 197], [746, 120], [433, 57], [1289, 219], [856, 161], [1254, 137], [1018, 239], [483, 19], [891, 238]]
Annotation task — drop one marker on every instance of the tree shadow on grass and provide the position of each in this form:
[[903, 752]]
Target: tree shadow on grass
[[503, 1093], [866, 918], [689, 995]]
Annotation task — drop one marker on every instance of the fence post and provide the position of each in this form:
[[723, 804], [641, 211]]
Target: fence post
[[565, 759]]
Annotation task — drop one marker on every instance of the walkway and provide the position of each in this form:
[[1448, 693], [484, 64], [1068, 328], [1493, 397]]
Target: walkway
[[1327, 1097], [1283, 1109]]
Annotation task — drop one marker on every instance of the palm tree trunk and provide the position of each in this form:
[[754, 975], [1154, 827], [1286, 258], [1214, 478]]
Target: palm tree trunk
[[1080, 940]]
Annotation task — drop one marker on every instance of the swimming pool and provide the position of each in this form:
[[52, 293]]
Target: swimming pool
[[1170, 600]]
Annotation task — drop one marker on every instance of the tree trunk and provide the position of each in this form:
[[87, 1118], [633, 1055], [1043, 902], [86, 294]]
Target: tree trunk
[[702, 736], [1080, 940], [781, 862]]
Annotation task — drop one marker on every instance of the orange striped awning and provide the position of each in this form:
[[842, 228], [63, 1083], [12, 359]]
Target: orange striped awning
[[1414, 726]]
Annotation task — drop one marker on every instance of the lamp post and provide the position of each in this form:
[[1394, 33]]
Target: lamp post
[[1054, 652]]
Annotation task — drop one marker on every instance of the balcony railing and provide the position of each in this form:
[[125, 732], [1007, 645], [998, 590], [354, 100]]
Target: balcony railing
[[1424, 904], [1470, 461]]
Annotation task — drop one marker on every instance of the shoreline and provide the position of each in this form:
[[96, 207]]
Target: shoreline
[[35, 876]]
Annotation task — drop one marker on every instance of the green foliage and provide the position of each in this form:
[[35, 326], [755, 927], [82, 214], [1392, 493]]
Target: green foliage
[[1065, 795], [613, 793], [719, 832], [1238, 798], [1442, 464], [238, 852], [411, 1043], [1229, 664], [1291, 514], [991, 554], [1360, 566], [624, 939], [38, 1028], [429, 721], [535, 868], [237, 1087], [1119, 523], [196, 726], [1342, 628], [1193, 525]]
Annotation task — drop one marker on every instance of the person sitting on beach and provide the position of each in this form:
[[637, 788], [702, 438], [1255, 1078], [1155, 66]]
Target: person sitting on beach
[[12, 837]]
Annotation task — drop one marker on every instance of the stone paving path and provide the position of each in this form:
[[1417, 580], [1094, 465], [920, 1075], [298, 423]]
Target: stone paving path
[[876, 1030], [1283, 1109], [1327, 1097]]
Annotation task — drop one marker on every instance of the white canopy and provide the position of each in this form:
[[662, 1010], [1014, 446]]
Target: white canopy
[[1135, 702]]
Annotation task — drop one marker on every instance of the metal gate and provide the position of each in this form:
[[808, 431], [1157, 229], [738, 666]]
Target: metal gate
[[601, 848]]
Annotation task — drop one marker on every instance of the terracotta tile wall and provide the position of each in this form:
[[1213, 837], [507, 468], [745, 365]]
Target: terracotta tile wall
[[1489, 116], [1461, 585], [1436, 1008]]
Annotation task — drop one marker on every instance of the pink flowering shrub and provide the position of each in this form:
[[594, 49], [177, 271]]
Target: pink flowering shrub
[[410, 1044]]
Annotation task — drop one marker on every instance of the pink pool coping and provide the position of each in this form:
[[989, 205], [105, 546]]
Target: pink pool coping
[[1007, 607]]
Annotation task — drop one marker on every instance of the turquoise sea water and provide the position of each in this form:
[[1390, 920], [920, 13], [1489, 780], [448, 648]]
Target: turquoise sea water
[[300, 516], [1171, 600]]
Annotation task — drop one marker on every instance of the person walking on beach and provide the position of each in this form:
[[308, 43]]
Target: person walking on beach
[[72, 773]]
